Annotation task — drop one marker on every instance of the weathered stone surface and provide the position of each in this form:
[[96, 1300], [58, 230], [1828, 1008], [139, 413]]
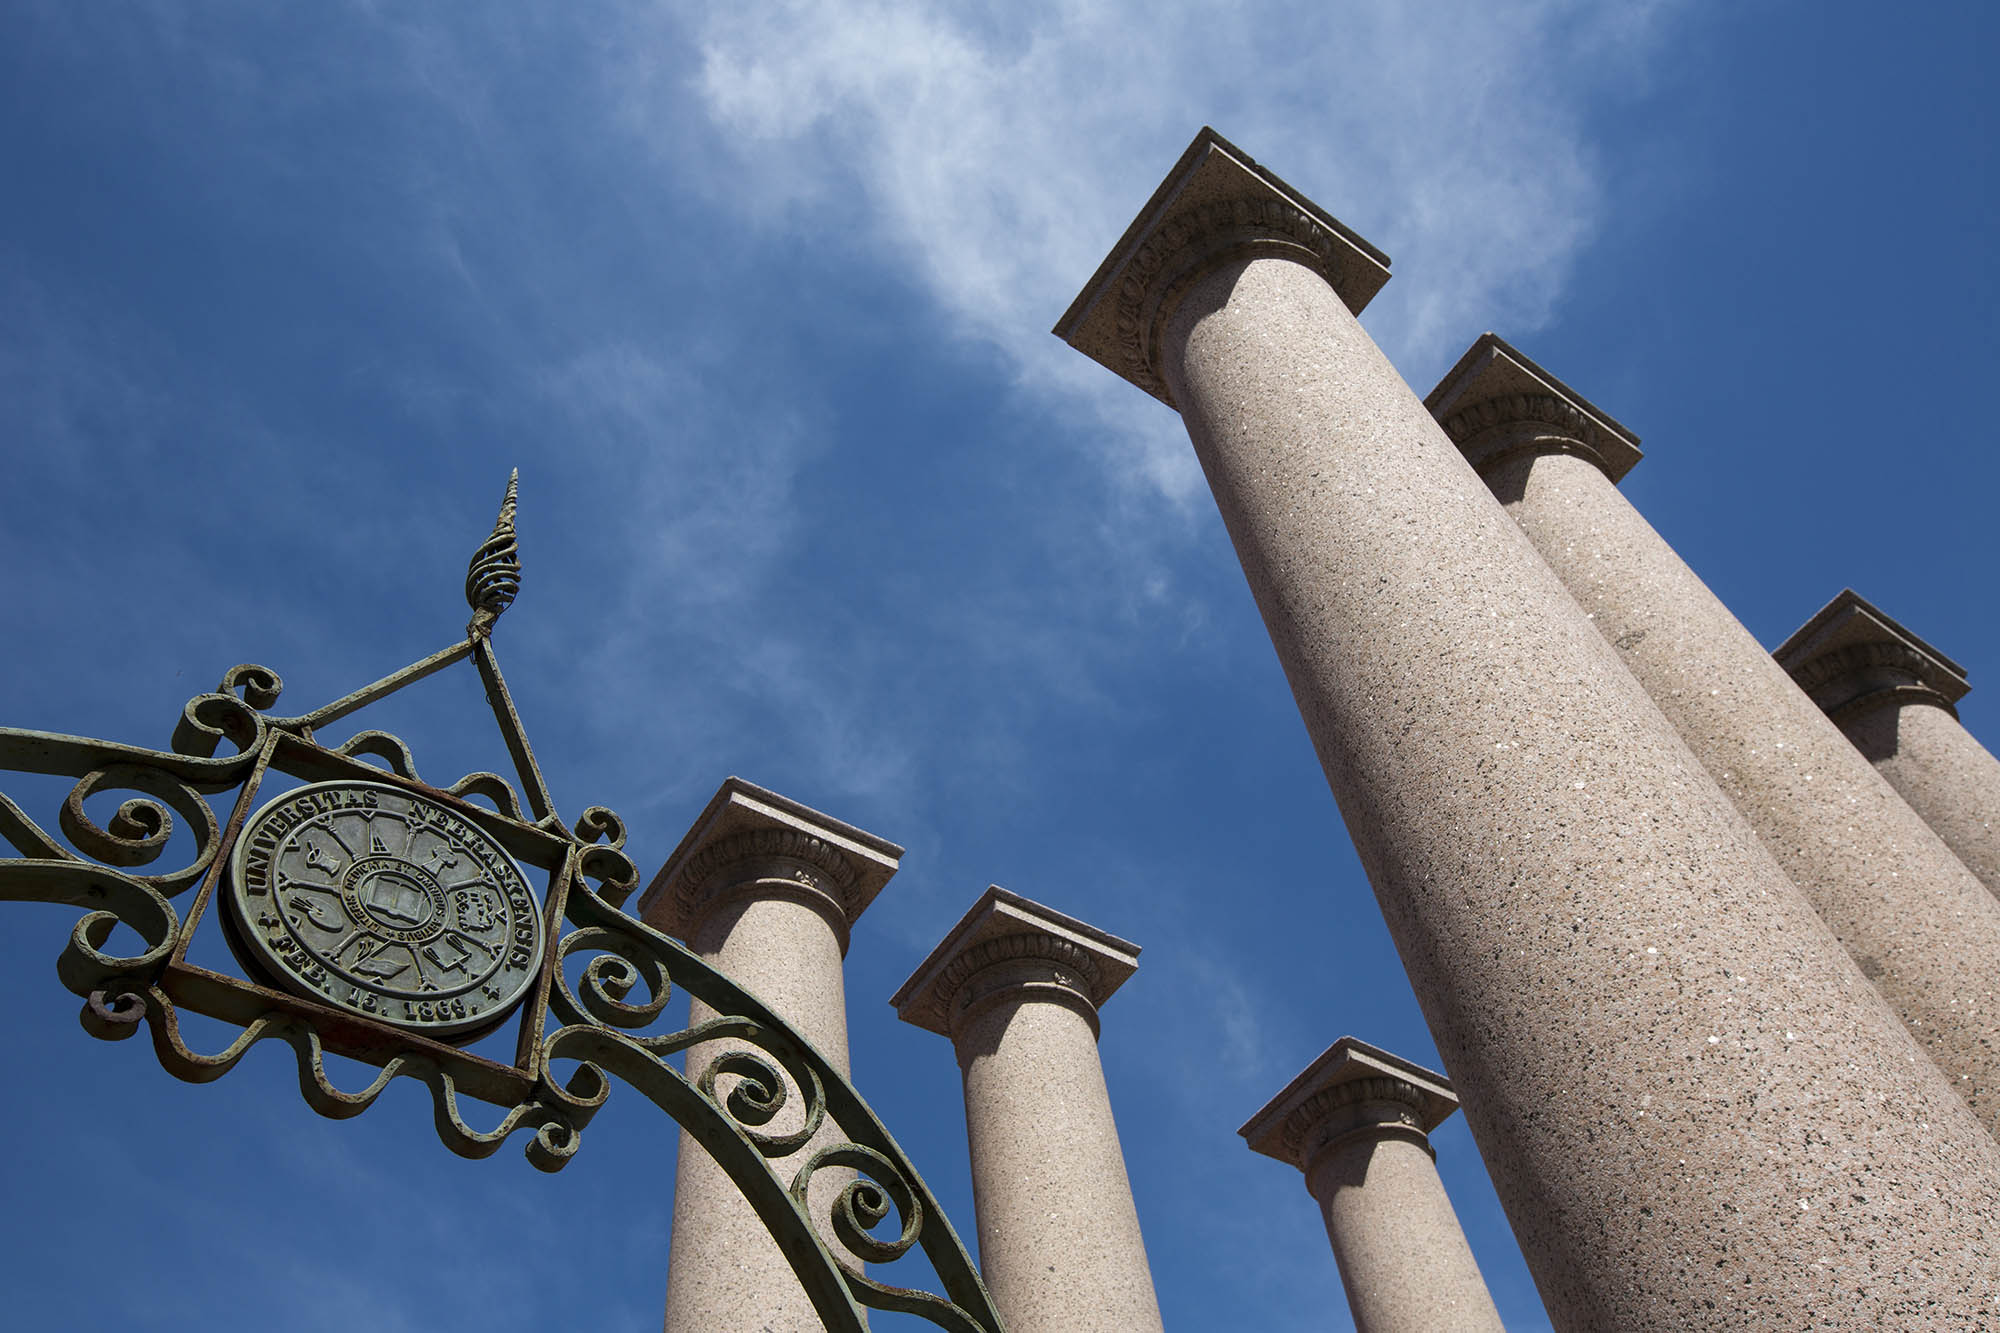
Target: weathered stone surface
[[1357, 1123], [1922, 927], [1896, 698], [1696, 1110], [1017, 986], [766, 890]]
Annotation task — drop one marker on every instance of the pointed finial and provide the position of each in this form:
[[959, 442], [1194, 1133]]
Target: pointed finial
[[494, 576]]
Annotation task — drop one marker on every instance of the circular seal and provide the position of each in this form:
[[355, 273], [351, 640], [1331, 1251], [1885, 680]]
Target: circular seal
[[387, 904]]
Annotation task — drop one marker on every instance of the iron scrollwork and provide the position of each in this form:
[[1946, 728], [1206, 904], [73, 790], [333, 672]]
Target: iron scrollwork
[[601, 1026]]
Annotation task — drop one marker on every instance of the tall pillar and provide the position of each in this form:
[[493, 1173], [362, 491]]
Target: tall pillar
[[1896, 698], [1357, 1122], [1922, 927], [1017, 986], [766, 890], [1695, 1109]]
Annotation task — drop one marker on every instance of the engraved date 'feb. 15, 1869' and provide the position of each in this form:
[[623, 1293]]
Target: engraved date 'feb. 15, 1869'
[[387, 904]]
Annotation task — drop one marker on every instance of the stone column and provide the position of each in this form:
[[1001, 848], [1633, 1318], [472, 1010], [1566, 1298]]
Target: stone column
[[1896, 698], [1017, 988], [1357, 1122], [765, 889], [1695, 1109], [1922, 927]]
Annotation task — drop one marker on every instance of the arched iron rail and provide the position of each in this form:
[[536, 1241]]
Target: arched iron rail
[[599, 1027]]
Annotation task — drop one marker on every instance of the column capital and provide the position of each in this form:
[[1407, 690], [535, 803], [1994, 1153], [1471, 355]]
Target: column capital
[[1351, 1089], [1215, 205], [1496, 403], [1852, 659], [753, 841], [1007, 944]]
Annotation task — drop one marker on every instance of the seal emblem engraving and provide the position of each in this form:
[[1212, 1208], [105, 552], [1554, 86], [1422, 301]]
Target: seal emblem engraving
[[387, 904]]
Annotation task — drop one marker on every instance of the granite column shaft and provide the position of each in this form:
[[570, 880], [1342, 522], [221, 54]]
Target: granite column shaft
[[1921, 926], [1357, 1122], [723, 1270], [1681, 1083], [1403, 1258], [766, 891], [1016, 986], [1575, 900], [1896, 698], [1945, 774]]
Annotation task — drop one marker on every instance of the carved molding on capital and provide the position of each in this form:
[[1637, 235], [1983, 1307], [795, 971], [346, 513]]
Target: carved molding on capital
[[1193, 243], [1496, 404], [1215, 204], [752, 842], [1372, 1106], [1497, 429], [1851, 659], [1034, 966], [771, 860], [1352, 1092], [1862, 677], [1008, 946]]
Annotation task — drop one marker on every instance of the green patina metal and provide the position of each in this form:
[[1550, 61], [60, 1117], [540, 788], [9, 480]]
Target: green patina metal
[[600, 1029]]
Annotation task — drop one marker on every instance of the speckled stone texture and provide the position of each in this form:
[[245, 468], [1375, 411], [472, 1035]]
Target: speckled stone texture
[[1017, 986], [1896, 698], [1357, 1123], [1922, 927], [766, 890], [1696, 1110]]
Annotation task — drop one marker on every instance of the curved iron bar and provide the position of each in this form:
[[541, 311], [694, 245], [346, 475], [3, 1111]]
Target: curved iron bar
[[115, 1014], [603, 1029], [140, 830], [495, 789], [389, 749], [645, 953], [113, 900]]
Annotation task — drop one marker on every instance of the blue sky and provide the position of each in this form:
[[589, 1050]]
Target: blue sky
[[757, 298]]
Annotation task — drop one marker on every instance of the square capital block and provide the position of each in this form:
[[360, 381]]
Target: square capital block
[[1003, 926], [749, 835], [1495, 388], [1850, 657], [1346, 1074], [1215, 205]]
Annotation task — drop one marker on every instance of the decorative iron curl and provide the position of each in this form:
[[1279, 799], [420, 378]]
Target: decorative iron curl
[[825, 1280], [747, 1065], [493, 579], [764, 1075], [209, 719], [115, 1012], [762, 1089], [725, 1120], [607, 979], [865, 1202], [495, 789], [390, 749], [141, 828], [597, 824], [614, 874], [259, 686], [114, 900]]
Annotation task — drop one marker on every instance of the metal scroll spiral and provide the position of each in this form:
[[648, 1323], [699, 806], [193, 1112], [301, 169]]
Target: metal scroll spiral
[[769, 1064], [625, 974], [122, 991], [102, 874], [493, 579]]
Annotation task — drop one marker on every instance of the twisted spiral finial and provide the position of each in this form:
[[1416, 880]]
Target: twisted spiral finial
[[494, 576]]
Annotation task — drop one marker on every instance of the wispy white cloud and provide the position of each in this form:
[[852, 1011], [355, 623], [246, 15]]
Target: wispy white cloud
[[995, 159]]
